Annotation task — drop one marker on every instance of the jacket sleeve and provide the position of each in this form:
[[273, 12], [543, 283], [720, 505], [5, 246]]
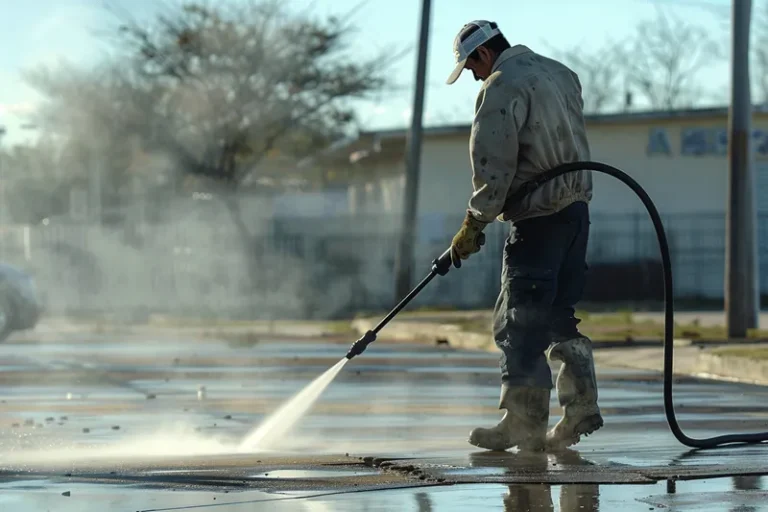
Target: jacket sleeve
[[500, 112]]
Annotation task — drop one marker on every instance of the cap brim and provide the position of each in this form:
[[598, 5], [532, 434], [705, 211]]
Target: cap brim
[[456, 72]]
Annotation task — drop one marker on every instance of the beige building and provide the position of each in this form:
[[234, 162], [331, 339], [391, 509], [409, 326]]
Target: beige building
[[680, 158]]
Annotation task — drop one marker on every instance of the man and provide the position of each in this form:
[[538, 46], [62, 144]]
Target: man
[[529, 119]]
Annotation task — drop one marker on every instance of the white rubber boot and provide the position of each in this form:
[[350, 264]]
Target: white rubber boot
[[524, 423], [577, 393]]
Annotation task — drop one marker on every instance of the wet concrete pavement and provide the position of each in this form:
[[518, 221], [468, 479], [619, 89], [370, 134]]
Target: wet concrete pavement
[[154, 423]]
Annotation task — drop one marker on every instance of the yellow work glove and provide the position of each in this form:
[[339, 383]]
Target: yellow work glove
[[468, 240]]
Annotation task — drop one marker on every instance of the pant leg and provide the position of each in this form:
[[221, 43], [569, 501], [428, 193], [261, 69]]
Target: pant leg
[[576, 381], [533, 255], [572, 277]]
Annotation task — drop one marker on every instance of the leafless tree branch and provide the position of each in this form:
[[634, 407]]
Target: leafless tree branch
[[665, 58], [221, 87], [600, 73]]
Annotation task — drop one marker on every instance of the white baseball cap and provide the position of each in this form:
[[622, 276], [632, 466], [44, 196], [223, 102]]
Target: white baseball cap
[[463, 49]]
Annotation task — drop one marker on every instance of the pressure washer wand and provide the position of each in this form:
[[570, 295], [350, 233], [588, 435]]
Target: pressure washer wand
[[440, 266]]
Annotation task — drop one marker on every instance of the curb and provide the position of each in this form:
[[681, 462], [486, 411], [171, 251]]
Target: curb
[[429, 333], [733, 368], [279, 329]]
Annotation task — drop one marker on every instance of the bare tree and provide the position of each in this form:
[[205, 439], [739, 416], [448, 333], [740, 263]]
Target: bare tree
[[231, 92], [600, 73], [226, 88], [664, 60]]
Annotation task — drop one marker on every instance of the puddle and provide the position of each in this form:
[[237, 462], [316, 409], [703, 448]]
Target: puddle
[[313, 473], [711, 495], [742, 493], [96, 498], [701, 496], [719, 485], [487, 471]]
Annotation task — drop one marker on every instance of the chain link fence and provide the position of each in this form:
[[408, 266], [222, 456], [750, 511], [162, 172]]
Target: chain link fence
[[321, 268]]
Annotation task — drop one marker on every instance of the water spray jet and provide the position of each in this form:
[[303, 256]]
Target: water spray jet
[[280, 422]]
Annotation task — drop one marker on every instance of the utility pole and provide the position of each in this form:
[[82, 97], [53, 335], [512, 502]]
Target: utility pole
[[742, 303], [405, 253]]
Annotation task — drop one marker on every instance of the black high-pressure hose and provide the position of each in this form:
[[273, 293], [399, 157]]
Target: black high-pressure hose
[[442, 265]]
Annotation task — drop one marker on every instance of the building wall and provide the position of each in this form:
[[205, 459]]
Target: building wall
[[682, 163], [677, 181]]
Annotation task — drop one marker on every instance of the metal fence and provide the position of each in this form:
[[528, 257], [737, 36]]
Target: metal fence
[[304, 268], [624, 261]]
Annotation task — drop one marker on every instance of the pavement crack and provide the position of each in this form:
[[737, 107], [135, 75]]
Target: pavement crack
[[403, 468]]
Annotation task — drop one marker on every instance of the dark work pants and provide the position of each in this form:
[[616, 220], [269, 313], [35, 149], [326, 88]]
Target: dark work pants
[[543, 278]]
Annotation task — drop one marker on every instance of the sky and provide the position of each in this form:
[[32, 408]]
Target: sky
[[42, 32]]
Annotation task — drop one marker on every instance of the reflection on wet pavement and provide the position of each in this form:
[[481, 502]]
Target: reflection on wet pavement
[[717, 495], [119, 423]]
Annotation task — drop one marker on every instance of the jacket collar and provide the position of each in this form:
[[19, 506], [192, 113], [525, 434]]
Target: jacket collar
[[507, 54]]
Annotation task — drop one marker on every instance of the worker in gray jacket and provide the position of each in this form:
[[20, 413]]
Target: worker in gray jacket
[[529, 119]]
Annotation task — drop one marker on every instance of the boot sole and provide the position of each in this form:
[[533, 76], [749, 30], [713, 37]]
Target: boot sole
[[584, 428], [529, 444]]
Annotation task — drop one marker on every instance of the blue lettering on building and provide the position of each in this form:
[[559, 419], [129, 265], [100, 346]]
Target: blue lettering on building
[[658, 142], [703, 142], [695, 141]]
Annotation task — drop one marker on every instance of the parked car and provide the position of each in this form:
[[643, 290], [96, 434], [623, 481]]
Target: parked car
[[20, 305]]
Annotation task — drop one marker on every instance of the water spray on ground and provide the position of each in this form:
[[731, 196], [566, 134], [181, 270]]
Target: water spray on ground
[[280, 422]]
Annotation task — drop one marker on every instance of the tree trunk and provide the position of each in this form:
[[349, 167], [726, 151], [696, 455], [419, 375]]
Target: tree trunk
[[251, 248]]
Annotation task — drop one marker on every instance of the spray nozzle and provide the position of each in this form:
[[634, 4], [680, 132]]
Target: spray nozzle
[[360, 345]]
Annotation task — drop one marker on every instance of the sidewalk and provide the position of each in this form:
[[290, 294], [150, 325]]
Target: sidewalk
[[50, 328], [696, 357]]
